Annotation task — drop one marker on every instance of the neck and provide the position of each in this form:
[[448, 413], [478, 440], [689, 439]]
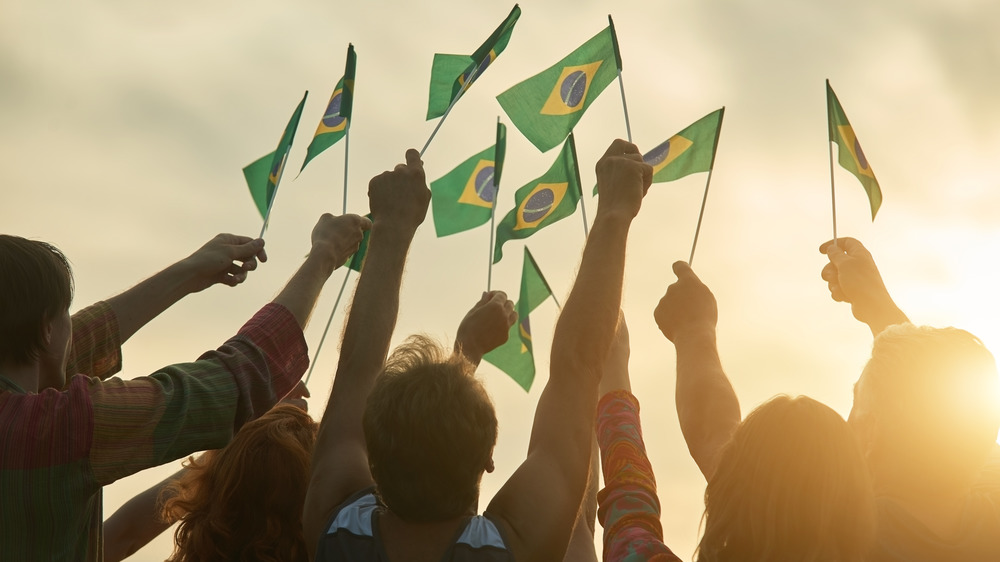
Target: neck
[[26, 376], [937, 507]]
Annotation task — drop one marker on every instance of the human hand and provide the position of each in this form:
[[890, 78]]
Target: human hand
[[853, 277], [622, 180], [297, 396], [400, 197], [486, 326], [615, 374], [688, 307], [338, 237], [225, 259]]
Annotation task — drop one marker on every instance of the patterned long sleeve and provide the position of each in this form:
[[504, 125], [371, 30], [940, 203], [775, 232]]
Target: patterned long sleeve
[[95, 350], [628, 508], [58, 448]]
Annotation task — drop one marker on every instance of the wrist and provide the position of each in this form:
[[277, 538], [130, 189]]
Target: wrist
[[699, 333], [322, 256], [387, 227]]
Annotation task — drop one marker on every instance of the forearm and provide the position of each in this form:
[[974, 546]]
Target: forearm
[[707, 407], [135, 307], [137, 522], [302, 290], [883, 315], [629, 507], [586, 326]]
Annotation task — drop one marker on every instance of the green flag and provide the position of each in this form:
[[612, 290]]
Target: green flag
[[516, 357], [688, 152], [336, 119], [264, 174], [547, 106], [849, 150], [357, 261], [464, 197], [543, 201], [452, 74]]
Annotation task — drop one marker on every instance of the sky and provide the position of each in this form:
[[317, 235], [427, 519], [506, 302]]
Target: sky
[[124, 127]]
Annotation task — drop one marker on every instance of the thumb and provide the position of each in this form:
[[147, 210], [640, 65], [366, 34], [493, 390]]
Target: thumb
[[683, 271]]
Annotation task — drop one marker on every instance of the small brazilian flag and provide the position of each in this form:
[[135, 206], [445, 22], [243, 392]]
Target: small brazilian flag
[[688, 152], [264, 174], [849, 150], [543, 201], [464, 197], [336, 119], [357, 261], [516, 357], [451, 75], [547, 106]]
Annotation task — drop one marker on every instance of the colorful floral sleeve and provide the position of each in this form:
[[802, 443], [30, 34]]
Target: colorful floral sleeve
[[628, 507]]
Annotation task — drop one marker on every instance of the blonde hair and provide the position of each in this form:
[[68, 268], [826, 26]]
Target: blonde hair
[[791, 485]]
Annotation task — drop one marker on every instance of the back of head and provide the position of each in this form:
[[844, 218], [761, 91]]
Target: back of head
[[244, 502], [791, 485], [430, 429], [36, 285], [927, 406]]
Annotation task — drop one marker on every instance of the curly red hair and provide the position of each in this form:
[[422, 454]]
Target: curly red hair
[[244, 502]]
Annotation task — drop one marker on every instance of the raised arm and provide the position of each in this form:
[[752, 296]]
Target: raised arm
[[539, 503], [137, 521], [707, 406], [853, 277], [225, 259], [398, 201], [629, 507], [485, 327]]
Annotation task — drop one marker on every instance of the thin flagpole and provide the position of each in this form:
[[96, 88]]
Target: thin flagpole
[[347, 139], [829, 146], [322, 339], [708, 182], [327, 328], [576, 170], [628, 127], [281, 172], [701, 214], [461, 92]]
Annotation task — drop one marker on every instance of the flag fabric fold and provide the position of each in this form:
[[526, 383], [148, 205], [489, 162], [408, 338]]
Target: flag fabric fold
[[463, 198], [543, 201], [264, 174], [357, 260], [688, 152], [850, 155], [337, 116], [451, 75], [516, 356], [547, 106]]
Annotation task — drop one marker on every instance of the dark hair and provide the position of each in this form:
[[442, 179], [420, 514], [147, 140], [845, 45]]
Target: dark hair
[[36, 285], [791, 485], [430, 429], [244, 502]]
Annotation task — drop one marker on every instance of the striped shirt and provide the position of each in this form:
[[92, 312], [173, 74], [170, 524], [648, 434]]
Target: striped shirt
[[628, 507], [58, 448]]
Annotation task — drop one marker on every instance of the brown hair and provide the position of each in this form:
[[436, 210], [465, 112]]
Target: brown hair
[[36, 285], [430, 429], [933, 393], [244, 502], [791, 485]]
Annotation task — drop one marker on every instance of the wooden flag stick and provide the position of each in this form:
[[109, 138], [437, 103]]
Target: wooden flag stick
[[281, 172], [461, 92], [327, 328], [701, 214], [347, 138], [628, 127]]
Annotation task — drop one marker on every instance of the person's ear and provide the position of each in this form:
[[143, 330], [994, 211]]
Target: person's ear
[[489, 466]]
